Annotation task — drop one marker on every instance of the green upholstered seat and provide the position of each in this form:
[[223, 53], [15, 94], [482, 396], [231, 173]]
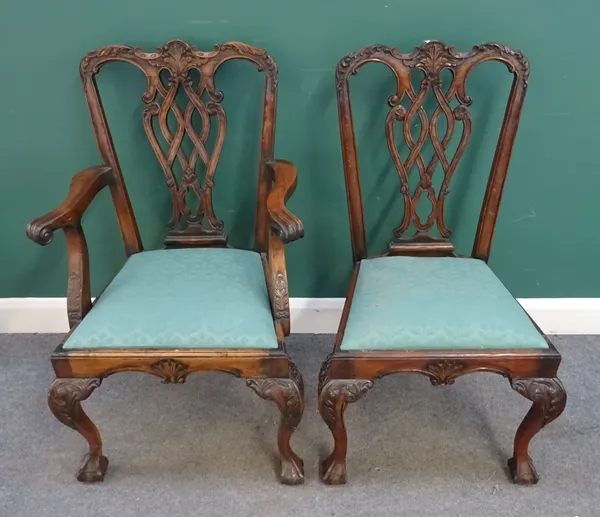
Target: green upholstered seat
[[416, 303], [182, 298]]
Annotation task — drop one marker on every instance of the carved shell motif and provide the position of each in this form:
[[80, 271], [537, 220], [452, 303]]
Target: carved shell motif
[[444, 372], [171, 371]]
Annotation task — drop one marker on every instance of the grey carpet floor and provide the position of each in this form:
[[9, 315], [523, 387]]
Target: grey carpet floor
[[207, 447]]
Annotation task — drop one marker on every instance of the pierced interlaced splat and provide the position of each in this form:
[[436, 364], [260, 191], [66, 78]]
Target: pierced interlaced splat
[[169, 126], [189, 182], [407, 107], [432, 63]]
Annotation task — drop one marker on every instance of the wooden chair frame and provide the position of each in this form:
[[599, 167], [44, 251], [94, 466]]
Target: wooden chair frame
[[270, 373], [347, 375]]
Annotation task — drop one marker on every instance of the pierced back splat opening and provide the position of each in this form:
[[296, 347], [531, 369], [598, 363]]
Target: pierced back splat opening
[[182, 104], [448, 121]]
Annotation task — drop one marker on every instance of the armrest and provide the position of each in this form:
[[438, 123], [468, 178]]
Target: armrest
[[287, 226], [84, 187]]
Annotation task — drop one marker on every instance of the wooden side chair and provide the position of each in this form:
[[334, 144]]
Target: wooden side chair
[[197, 305], [420, 307]]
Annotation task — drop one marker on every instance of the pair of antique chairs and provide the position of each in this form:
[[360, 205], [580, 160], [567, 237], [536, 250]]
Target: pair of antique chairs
[[417, 308]]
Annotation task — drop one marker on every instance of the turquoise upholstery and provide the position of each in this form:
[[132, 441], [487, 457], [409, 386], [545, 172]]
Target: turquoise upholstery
[[182, 298], [411, 303]]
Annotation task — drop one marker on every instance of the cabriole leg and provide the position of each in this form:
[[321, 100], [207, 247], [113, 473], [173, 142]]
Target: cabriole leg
[[334, 396], [549, 399], [288, 395], [64, 400]]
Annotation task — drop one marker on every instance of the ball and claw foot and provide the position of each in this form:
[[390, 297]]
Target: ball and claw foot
[[292, 471], [333, 472], [523, 473], [93, 469]]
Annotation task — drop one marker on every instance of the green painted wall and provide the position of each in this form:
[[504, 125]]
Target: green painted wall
[[547, 242]]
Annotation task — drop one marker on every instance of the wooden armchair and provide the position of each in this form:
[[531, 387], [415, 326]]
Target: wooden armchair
[[197, 305], [420, 307]]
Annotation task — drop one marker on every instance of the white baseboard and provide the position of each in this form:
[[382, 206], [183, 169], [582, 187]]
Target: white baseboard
[[309, 315]]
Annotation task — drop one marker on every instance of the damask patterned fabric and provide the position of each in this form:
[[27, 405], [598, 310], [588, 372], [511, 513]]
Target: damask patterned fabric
[[408, 303], [182, 298]]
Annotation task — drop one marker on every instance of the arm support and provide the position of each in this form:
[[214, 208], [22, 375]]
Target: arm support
[[287, 226], [84, 187]]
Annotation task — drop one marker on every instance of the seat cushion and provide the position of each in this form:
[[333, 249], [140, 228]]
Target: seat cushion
[[412, 303], [182, 298]]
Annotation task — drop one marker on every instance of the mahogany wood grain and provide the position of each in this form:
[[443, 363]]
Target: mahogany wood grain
[[431, 58], [287, 226], [64, 400], [171, 365], [284, 228], [346, 376], [85, 185], [84, 188], [270, 373]]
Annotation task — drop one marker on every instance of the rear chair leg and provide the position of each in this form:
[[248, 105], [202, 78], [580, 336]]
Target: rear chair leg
[[549, 399], [64, 400], [288, 395]]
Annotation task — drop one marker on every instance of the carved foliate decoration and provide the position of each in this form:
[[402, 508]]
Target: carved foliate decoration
[[296, 377], [350, 390], [509, 54], [349, 65], [281, 297], [65, 396], [549, 394], [324, 372], [407, 107], [171, 371], [272, 389], [264, 61], [74, 298], [168, 125], [64, 400], [288, 394]]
